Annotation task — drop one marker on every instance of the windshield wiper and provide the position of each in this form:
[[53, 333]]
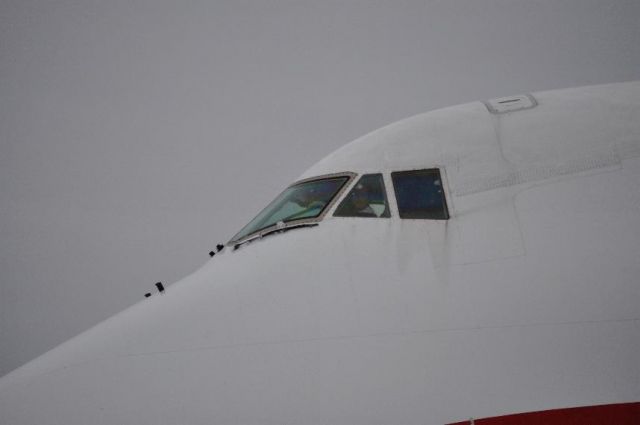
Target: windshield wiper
[[274, 231]]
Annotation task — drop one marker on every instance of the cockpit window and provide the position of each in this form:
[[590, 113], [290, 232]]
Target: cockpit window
[[367, 199], [299, 203], [420, 194]]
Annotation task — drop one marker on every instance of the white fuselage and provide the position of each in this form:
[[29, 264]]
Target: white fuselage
[[526, 299]]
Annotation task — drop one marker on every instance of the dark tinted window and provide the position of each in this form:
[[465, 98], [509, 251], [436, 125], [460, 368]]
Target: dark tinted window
[[366, 199], [420, 194]]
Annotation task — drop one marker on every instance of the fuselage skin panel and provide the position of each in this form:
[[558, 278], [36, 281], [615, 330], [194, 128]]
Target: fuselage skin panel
[[526, 299]]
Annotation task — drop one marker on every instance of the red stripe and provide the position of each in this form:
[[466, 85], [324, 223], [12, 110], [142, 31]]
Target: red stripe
[[610, 414]]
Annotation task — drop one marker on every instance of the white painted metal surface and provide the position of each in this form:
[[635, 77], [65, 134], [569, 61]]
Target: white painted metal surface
[[527, 298]]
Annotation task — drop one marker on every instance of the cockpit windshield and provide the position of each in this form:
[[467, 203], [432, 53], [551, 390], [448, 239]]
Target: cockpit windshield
[[300, 203]]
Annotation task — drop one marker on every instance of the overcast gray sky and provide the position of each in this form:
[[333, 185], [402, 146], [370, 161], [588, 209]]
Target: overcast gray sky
[[135, 135]]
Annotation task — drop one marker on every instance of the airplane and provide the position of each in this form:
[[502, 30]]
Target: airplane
[[478, 264]]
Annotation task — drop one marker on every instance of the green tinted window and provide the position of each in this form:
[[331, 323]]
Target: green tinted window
[[304, 200]]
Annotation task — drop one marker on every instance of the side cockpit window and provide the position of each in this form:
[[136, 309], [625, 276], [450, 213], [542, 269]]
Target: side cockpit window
[[367, 199], [420, 194]]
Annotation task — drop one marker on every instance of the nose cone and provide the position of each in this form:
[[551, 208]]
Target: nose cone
[[193, 347]]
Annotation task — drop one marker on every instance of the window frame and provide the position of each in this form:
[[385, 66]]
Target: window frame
[[440, 173], [387, 198], [303, 221]]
